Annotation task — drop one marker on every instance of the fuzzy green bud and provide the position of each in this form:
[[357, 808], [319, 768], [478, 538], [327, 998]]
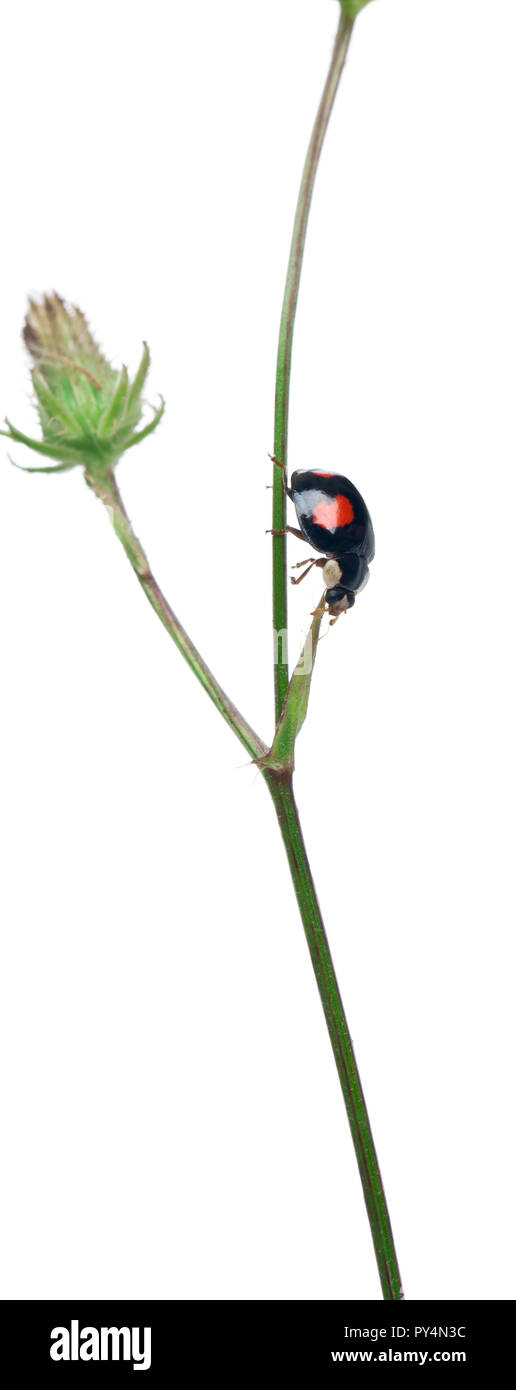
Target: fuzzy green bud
[[89, 412]]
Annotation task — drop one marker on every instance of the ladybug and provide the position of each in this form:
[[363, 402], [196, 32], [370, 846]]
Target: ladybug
[[334, 519]]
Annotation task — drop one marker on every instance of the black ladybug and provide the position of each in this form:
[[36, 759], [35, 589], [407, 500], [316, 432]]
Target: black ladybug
[[334, 519]]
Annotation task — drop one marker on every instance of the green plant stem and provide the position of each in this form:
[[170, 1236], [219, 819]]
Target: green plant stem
[[284, 358], [109, 494], [280, 782], [282, 792]]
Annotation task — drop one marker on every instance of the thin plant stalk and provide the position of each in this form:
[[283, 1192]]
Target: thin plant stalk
[[108, 493], [282, 790], [284, 357], [279, 782], [282, 793]]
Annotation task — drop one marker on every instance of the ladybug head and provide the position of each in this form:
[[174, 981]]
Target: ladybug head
[[339, 600]]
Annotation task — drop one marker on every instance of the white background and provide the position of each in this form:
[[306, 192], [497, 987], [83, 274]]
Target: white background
[[173, 1125]]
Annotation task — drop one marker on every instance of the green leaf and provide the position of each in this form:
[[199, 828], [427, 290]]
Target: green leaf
[[116, 409], [52, 467], [51, 451], [53, 408], [139, 381], [142, 434]]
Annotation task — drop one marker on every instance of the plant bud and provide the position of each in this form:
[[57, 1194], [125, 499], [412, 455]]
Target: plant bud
[[89, 413]]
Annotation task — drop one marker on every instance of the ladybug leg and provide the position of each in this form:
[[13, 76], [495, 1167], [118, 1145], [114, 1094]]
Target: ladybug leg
[[282, 531], [279, 464], [302, 576], [309, 566]]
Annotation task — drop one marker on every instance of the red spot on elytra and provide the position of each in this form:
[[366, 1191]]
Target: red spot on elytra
[[333, 512], [319, 473]]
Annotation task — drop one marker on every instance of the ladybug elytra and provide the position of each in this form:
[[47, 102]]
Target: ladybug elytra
[[334, 519]]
